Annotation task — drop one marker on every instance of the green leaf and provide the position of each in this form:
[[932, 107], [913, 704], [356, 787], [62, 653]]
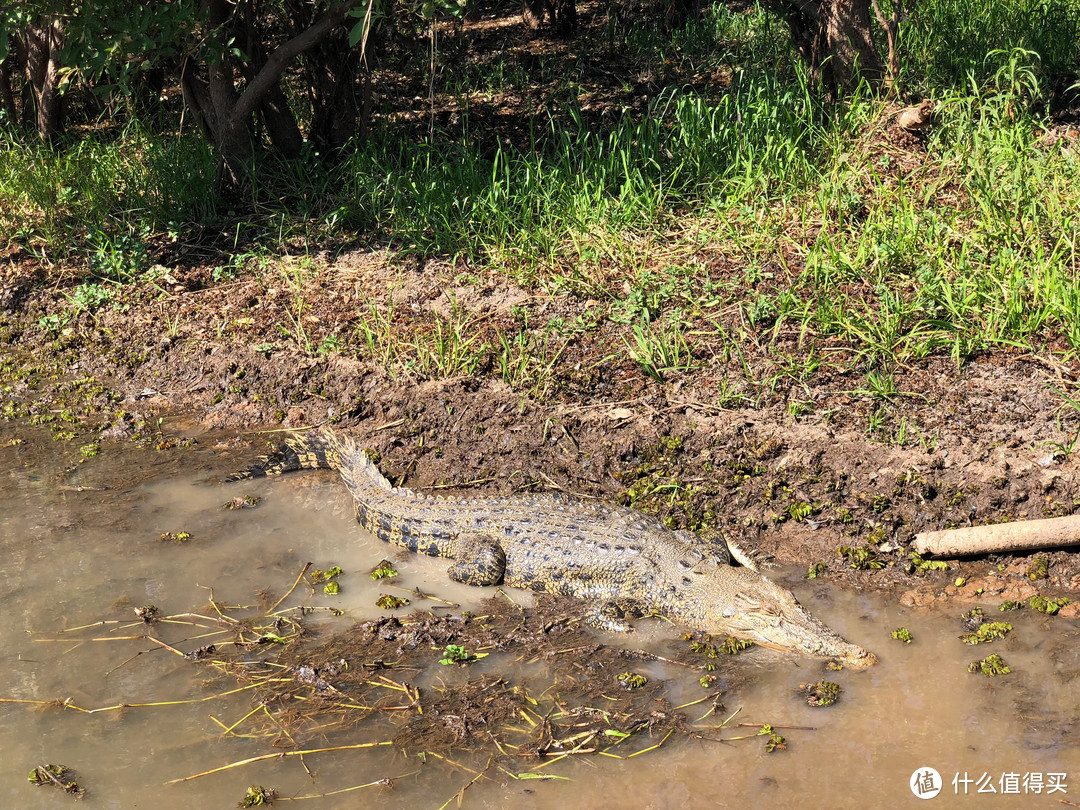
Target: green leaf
[[356, 33]]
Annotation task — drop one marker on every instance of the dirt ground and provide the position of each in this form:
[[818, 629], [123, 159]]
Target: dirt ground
[[816, 489], [987, 440]]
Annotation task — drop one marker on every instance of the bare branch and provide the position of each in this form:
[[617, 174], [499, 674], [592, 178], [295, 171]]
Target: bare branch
[[278, 60]]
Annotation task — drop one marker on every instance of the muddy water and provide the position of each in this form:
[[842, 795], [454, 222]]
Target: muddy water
[[72, 557]]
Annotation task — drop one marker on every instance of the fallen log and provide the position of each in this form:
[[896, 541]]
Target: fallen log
[[1024, 535]]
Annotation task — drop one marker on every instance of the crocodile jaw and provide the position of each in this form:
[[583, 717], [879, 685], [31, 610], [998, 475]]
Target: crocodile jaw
[[752, 607], [807, 635]]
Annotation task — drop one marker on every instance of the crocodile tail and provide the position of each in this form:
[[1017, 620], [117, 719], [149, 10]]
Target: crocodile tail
[[318, 449]]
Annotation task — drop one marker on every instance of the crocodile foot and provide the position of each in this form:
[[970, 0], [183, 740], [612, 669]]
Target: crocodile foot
[[614, 615], [481, 560]]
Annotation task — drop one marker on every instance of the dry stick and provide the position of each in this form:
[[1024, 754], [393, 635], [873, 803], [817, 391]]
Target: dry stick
[[770, 725], [57, 704], [278, 755], [45, 770], [699, 700], [1023, 535], [67, 704], [293, 588], [461, 793], [119, 706], [168, 647], [388, 425], [88, 626], [419, 594], [651, 747], [229, 730], [103, 638], [126, 661], [384, 782]]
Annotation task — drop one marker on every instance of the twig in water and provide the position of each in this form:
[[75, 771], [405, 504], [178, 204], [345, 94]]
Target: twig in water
[[279, 754], [303, 571], [461, 793]]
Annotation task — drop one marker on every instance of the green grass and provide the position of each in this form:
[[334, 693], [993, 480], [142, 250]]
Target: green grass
[[104, 194], [845, 253]]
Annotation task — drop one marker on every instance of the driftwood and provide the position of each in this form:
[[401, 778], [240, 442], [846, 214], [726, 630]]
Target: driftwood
[[1023, 535]]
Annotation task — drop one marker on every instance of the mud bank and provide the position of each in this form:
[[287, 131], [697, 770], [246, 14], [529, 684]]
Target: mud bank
[[981, 442]]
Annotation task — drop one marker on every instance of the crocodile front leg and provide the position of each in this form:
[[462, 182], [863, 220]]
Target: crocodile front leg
[[480, 560], [613, 615], [727, 549]]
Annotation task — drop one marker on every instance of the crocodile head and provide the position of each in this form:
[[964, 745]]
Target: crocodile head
[[744, 604]]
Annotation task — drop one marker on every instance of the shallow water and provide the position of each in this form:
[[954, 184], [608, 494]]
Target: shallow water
[[71, 558]]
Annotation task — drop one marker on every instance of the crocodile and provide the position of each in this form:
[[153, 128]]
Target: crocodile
[[622, 563]]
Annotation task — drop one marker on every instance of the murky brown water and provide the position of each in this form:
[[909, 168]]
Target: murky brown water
[[69, 555]]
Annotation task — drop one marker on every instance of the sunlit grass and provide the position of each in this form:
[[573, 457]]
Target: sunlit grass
[[844, 252]]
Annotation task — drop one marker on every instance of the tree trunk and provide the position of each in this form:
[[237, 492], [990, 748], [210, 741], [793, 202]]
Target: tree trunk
[[565, 17], [835, 39], [891, 24], [331, 71], [197, 99], [7, 97], [280, 122], [42, 43], [677, 13], [561, 15], [226, 114], [532, 13], [337, 108]]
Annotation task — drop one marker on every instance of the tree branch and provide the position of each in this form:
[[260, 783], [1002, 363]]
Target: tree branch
[[276, 62]]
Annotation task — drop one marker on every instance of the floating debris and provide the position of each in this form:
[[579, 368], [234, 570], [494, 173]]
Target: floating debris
[[173, 442], [973, 618], [258, 796], [328, 579], [987, 632], [388, 602], [631, 680], [334, 571], [148, 613], [902, 634], [820, 693], [1010, 604], [456, 654], [775, 741], [815, 570], [384, 570], [243, 502], [990, 666], [175, 537], [58, 775], [202, 653]]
